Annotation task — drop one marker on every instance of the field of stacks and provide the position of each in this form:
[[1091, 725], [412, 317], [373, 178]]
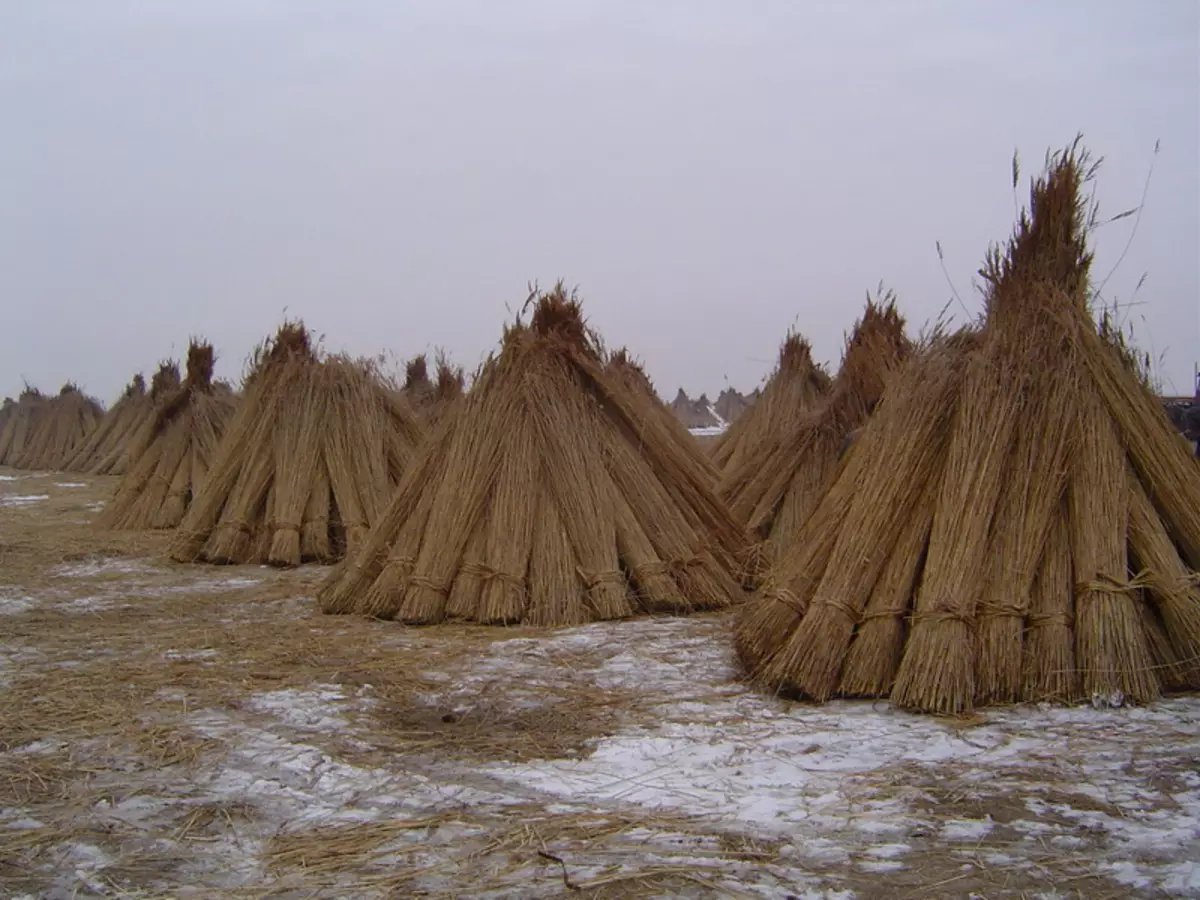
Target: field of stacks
[[924, 625], [185, 731]]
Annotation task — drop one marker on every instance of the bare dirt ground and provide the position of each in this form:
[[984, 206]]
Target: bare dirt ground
[[172, 731]]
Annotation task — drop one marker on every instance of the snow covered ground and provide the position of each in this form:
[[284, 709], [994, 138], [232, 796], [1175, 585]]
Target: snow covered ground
[[206, 732]]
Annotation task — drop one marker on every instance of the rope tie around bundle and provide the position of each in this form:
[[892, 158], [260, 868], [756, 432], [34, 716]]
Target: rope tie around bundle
[[593, 580], [427, 583], [486, 573]]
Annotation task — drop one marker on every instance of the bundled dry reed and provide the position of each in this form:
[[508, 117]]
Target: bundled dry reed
[[303, 468], [57, 428], [23, 419], [805, 656], [626, 370], [796, 385], [1034, 486], [778, 481], [1110, 644], [429, 398], [549, 495], [111, 429], [168, 454], [1026, 547], [1050, 673]]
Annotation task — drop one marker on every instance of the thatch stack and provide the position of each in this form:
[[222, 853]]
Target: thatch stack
[[7, 410], [170, 455], [776, 480], [308, 463], [106, 449], [448, 390], [795, 387], [108, 431], [548, 497], [19, 428], [1016, 522], [58, 427], [626, 370], [418, 388], [431, 399]]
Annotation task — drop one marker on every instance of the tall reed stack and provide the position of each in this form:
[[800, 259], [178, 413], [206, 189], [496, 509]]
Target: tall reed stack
[[549, 496], [169, 456], [307, 464], [779, 480], [58, 428], [625, 369], [796, 386], [107, 432], [105, 451], [7, 408], [23, 419], [1016, 522], [432, 398]]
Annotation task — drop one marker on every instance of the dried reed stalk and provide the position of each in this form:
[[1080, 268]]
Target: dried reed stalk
[[1051, 673], [678, 540], [809, 484], [649, 408], [570, 433], [250, 427], [371, 581], [509, 529], [297, 456], [1170, 585], [652, 585], [342, 445], [555, 586], [763, 625], [463, 601], [683, 475], [1034, 488], [878, 645], [1174, 673], [1110, 645], [315, 542], [796, 385], [1162, 462], [914, 426], [937, 673], [245, 509], [179, 488], [456, 508]]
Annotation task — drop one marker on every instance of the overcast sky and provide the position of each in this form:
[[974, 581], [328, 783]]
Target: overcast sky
[[707, 173]]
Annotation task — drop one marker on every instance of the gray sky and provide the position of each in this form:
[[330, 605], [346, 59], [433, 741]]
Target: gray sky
[[708, 173]]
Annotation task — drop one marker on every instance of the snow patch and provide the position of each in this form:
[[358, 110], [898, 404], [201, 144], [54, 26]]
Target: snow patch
[[13, 603], [69, 484], [305, 710], [189, 655], [112, 566], [967, 829], [22, 500]]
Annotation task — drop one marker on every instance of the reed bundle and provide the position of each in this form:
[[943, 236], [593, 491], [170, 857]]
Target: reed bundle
[[168, 454], [23, 419], [428, 397], [55, 429], [108, 447], [1016, 522], [305, 465], [818, 599], [551, 494], [777, 482], [625, 369], [796, 385]]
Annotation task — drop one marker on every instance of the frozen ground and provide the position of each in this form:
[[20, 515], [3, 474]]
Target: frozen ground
[[199, 732]]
